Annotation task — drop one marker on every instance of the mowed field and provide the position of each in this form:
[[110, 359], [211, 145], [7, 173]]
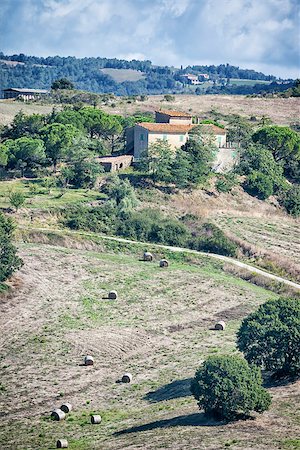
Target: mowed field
[[159, 329], [282, 111]]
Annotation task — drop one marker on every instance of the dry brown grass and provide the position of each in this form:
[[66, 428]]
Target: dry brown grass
[[158, 329]]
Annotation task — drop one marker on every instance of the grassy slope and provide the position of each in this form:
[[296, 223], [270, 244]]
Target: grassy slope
[[120, 75], [158, 329]]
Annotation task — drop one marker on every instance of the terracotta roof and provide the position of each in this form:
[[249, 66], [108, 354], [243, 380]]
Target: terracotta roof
[[173, 113], [165, 127], [213, 128], [178, 128]]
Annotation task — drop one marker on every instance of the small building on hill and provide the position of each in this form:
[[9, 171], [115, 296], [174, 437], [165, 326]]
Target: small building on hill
[[24, 93], [173, 117], [115, 163]]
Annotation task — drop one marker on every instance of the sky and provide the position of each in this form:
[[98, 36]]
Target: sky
[[263, 35]]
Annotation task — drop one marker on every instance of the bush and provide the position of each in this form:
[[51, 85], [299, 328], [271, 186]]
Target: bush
[[259, 185], [212, 239], [100, 220], [290, 199], [226, 387], [9, 261], [270, 337], [16, 199], [169, 98], [226, 182]]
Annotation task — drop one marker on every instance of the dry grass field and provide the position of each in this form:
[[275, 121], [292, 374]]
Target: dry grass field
[[282, 111], [158, 329]]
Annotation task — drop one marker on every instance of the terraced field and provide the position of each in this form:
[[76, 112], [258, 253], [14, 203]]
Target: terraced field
[[158, 329], [278, 235]]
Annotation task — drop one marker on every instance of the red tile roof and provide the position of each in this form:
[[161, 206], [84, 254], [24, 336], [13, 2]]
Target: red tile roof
[[178, 128], [170, 113], [166, 127]]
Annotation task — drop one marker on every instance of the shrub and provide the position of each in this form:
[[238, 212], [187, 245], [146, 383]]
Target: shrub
[[169, 98], [290, 199], [226, 182], [9, 261], [226, 387], [101, 219], [16, 199], [212, 239], [270, 337], [259, 185]]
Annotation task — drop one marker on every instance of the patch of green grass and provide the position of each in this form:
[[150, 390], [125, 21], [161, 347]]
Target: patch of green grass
[[291, 444]]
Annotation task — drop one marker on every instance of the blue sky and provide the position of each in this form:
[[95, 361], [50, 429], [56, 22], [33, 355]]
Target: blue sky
[[257, 34]]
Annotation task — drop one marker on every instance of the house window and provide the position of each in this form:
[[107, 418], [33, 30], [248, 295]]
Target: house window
[[181, 138], [141, 137]]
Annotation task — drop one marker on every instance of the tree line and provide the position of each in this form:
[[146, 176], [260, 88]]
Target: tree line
[[85, 73]]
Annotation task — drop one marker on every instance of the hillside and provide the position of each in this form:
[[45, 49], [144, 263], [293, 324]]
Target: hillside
[[281, 111], [121, 77], [158, 329]]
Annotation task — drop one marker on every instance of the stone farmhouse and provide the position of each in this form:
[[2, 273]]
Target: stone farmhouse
[[170, 126]]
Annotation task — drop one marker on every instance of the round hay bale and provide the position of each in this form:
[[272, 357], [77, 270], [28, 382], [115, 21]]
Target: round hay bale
[[113, 295], [220, 325], [57, 414], [95, 419], [148, 256], [62, 443], [89, 360], [163, 263], [127, 378], [66, 407]]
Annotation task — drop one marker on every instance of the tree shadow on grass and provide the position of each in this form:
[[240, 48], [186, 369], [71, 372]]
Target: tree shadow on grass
[[192, 420], [176, 389]]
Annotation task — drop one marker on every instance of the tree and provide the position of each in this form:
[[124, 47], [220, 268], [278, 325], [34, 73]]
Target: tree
[[9, 261], [24, 125], [121, 192], [290, 199], [62, 83], [270, 337], [259, 185], [25, 152], [226, 387], [281, 141], [157, 160], [239, 131], [181, 169], [200, 150], [256, 158], [3, 155], [58, 139], [16, 199]]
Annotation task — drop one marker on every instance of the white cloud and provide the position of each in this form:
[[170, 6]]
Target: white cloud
[[248, 33]]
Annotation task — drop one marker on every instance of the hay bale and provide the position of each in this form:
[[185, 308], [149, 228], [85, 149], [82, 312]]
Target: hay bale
[[62, 443], [127, 378], [112, 295], [88, 360], [220, 325], [95, 419], [66, 407], [58, 414], [148, 256], [163, 263]]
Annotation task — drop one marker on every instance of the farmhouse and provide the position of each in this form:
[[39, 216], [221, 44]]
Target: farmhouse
[[170, 126], [25, 94], [190, 79]]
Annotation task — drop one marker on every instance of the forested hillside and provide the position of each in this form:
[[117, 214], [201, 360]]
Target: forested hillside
[[86, 73]]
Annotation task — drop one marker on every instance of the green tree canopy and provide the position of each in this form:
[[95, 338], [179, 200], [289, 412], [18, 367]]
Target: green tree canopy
[[9, 261], [62, 83], [58, 138], [25, 152], [226, 387], [281, 141], [25, 125], [270, 337]]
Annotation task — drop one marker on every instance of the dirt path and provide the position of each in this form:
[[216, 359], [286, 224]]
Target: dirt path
[[182, 249]]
